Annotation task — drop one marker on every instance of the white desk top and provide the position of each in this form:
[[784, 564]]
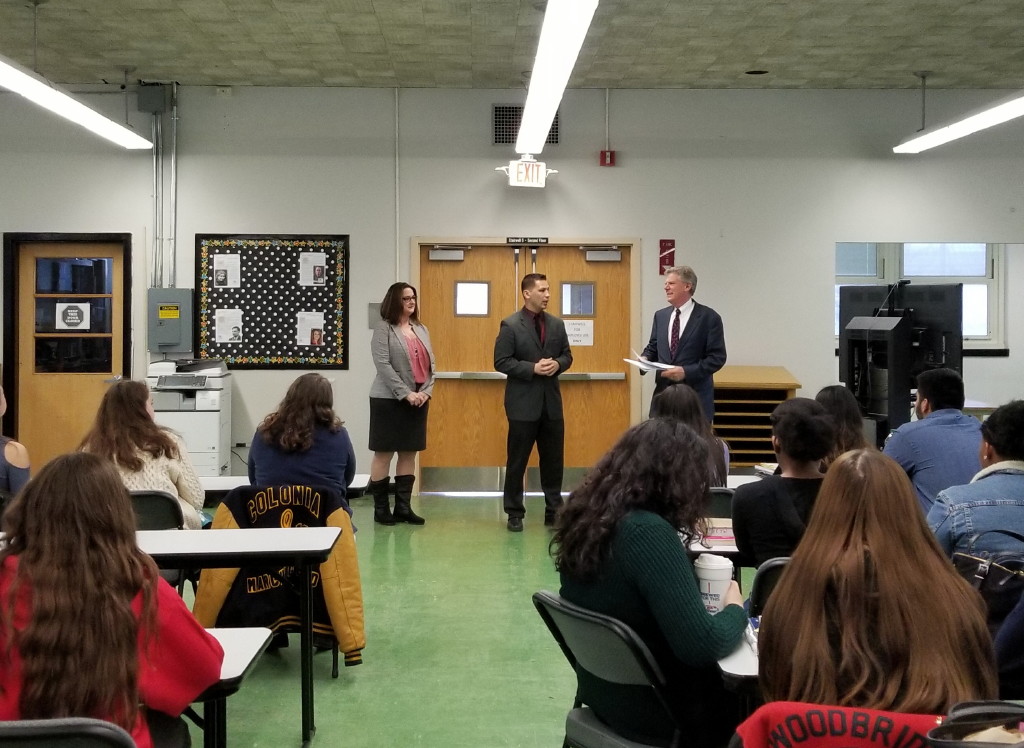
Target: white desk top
[[741, 662], [241, 647], [205, 546], [225, 483], [732, 481]]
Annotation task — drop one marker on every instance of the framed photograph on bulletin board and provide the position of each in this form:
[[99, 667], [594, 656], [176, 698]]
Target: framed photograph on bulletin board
[[273, 301]]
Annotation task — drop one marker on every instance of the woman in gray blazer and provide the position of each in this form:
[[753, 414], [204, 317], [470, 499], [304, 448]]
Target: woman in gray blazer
[[399, 401]]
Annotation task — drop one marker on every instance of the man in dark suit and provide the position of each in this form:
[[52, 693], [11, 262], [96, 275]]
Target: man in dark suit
[[532, 349], [688, 335]]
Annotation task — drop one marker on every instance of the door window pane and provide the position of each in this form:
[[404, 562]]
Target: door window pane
[[66, 354], [942, 259], [472, 298], [577, 299], [75, 275], [71, 315], [857, 258]]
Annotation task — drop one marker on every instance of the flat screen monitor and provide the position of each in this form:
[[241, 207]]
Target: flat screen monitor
[[935, 313]]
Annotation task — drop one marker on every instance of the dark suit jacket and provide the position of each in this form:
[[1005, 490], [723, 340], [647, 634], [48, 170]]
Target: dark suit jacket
[[516, 350], [701, 351]]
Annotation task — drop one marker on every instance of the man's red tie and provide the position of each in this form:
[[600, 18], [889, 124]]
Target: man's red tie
[[673, 338]]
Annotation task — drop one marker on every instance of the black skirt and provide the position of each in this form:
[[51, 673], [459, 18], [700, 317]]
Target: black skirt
[[397, 426]]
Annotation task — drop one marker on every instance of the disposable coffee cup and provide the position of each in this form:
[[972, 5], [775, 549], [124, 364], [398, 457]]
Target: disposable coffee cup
[[714, 574]]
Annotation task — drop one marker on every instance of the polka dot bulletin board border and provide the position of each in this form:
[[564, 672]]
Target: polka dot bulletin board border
[[273, 301]]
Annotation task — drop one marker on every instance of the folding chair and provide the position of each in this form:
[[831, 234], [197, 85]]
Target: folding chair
[[67, 732], [765, 579], [611, 651]]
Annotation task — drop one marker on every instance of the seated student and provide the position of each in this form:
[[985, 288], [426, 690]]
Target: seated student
[[869, 612], [13, 459], [940, 449], [994, 499], [149, 457], [683, 404], [88, 628], [617, 549], [303, 441], [769, 516], [841, 404]]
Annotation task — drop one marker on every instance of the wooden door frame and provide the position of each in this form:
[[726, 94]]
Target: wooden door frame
[[13, 242], [636, 330]]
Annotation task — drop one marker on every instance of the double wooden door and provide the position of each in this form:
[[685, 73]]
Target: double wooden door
[[465, 292]]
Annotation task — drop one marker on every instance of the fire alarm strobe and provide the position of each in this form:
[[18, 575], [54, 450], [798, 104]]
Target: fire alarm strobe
[[607, 158]]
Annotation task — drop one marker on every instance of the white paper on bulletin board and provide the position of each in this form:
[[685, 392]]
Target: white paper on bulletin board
[[580, 331]]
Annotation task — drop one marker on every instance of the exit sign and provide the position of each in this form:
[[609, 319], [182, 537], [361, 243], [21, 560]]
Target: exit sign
[[527, 173]]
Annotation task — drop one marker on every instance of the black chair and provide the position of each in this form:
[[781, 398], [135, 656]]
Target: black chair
[[159, 510], [67, 732], [611, 651], [721, 502], [765, 579]]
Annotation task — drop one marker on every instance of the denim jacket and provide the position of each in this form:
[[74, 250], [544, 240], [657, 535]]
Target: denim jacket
[[993, 500]]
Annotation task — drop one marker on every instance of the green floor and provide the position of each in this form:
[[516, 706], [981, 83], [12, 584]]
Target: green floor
[[455, 656]]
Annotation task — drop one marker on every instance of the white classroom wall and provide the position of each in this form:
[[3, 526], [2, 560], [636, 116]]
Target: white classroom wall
[[755, 187]]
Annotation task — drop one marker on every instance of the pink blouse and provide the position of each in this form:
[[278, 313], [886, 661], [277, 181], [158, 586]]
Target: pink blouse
[[419, 359]]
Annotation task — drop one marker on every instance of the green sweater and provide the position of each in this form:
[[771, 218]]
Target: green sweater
[[648, 583]]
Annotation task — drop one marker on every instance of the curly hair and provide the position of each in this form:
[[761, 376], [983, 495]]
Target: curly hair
[[803, 429], [72, 529], [308, 403], [123, 428], [659, 466], [1004, 430], [874, 608]]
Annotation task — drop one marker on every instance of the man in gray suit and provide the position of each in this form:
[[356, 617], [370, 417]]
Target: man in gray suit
[[532, 349]]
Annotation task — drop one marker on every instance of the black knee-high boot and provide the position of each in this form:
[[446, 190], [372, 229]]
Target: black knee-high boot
[[378, 489], [403, 494]]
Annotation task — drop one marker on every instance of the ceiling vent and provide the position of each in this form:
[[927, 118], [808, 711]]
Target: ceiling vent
[[505, 119]]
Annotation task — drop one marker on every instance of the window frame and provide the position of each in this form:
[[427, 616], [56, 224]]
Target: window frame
[[889, 270]]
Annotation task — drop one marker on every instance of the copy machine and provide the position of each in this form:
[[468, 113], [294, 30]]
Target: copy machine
[[193, 397]]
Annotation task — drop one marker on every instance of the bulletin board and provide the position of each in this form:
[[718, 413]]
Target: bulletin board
[[273, 301]]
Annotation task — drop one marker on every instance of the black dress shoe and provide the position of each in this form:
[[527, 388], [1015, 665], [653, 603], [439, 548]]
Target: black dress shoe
[[515, 524], [549, 520]]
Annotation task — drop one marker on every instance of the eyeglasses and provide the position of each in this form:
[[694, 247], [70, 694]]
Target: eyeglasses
[[408, 298]]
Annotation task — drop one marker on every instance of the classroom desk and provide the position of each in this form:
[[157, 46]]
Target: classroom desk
[[739, 674], [303, 547], [242, 649], [732, 481], [216, 486]]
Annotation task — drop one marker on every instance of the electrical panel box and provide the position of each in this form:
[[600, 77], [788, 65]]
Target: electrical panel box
[[170, 320]]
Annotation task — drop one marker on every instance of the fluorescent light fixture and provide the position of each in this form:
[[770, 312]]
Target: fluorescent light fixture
[[38, 90], [561, 37], [995, 114]]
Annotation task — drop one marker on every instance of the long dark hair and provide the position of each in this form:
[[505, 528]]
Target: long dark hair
[[869, 612], [123, 427], [308, 403], [72, 529], [659, 466], [681, 402], [842, 405], [391, 306]]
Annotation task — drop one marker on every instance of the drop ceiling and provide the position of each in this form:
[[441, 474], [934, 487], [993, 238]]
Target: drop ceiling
[[703, 44]]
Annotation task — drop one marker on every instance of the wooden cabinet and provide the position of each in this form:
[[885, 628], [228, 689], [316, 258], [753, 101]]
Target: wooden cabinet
[[745, 397]]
